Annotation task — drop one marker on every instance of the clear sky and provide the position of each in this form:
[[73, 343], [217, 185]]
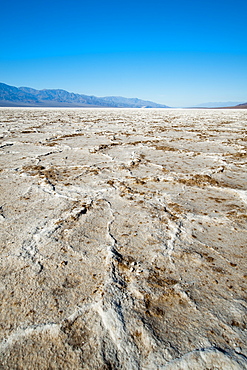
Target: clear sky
[[177, 52]]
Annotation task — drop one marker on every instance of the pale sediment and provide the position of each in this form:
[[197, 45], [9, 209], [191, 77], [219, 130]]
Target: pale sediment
[[123, 239]]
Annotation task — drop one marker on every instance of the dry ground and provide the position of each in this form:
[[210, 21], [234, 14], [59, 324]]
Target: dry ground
[[123, 239]]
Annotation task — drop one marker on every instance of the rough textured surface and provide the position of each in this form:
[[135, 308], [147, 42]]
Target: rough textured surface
[[123, 239]]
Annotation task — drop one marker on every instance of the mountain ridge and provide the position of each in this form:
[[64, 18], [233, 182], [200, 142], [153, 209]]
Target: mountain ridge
[[218, 104], [29, 97]]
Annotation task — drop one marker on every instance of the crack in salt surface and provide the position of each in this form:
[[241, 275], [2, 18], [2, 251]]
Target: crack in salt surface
[[22, 333]]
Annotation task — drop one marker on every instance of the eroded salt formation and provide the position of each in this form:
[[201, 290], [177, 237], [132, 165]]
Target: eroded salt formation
[[123, 239]]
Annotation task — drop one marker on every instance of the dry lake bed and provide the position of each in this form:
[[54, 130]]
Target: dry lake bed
[[123, 239]]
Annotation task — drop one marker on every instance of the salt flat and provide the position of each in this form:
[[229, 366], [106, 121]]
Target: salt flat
[[123, 239]]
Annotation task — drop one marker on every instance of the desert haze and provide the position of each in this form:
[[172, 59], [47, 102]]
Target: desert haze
[[123, 239]]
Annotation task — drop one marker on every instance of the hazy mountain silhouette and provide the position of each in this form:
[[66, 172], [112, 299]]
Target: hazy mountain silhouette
[[27, 97], [217, 104]]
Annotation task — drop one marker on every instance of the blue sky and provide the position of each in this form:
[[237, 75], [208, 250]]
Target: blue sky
[[178, 53]]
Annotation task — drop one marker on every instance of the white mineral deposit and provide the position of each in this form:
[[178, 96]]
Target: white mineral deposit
[[123, 239]]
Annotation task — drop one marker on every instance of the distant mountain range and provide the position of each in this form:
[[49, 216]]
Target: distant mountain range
[[240, 106], [218, 104], [11, 96]]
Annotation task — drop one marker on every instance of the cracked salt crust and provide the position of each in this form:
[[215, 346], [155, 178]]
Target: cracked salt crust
[[123, 239]]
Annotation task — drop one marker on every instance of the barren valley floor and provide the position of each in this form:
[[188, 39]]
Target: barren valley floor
[[123, 239]]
